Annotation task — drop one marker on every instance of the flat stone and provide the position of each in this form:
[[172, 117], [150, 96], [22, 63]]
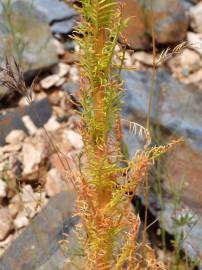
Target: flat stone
[[38, 246], [55, 10], [170, 22], [196, 17], [61, 69], [74, 138], [13, 120], [195, 40], [36, 49], [136, 29], [179, 115], [49, 81], [34, 153], [54, 183], [187, 62], [3, 189], [64, 27], [15, 136], [6, 223]]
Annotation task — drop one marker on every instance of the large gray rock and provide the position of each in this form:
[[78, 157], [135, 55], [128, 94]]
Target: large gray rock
[[196, 18], [39, 112], [179, 107], [38, 247], [170, 21], [179, 112], [59, 14], [27, 37]]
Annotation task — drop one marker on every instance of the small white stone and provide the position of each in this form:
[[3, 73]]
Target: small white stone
[[60, 82], [52, 124], [49, 81], [15, 205], [11, 148], [32, 129], [29, 201], [21, 221], [74, 74], [59, 46], [195, 41], [196, 17], [6, 223], [143, 57], [15, 136], [3, 189], [54, 183], [61, 69], [74, 138]]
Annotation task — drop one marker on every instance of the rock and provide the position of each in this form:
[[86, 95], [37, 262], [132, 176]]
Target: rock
[[35, 49], [60, 82], [74, 138], [55, 10], [5, 243], [180, 170], [71, 87], [196, 18], [59, 47], [59, 14], [187, 4], [15, 205], [64, 27], [6, 223], [49, 81], [170, 22], [144, 57], [61, 69], [194, 79], [185, 63], [74, 74], [54, 183], [179, 115], [15, 136], [11, 148], [39, 244], [33, 156], [52, 124], [136, 29], [39, 112], [195, 41], [3, 189], [20, 221], [32, 129]]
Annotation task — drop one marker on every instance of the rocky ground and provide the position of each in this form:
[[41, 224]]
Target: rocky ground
[[31, 172]]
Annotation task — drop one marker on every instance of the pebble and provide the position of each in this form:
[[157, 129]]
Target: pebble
[[196, 17], [49, 81], [61, 69], [54, 183], [6, 223], [15, 136], [59, 47], [32, 129], [3, 189], [74, 138], [21, 221], [15, 205], [52, 124], [195, 41]]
